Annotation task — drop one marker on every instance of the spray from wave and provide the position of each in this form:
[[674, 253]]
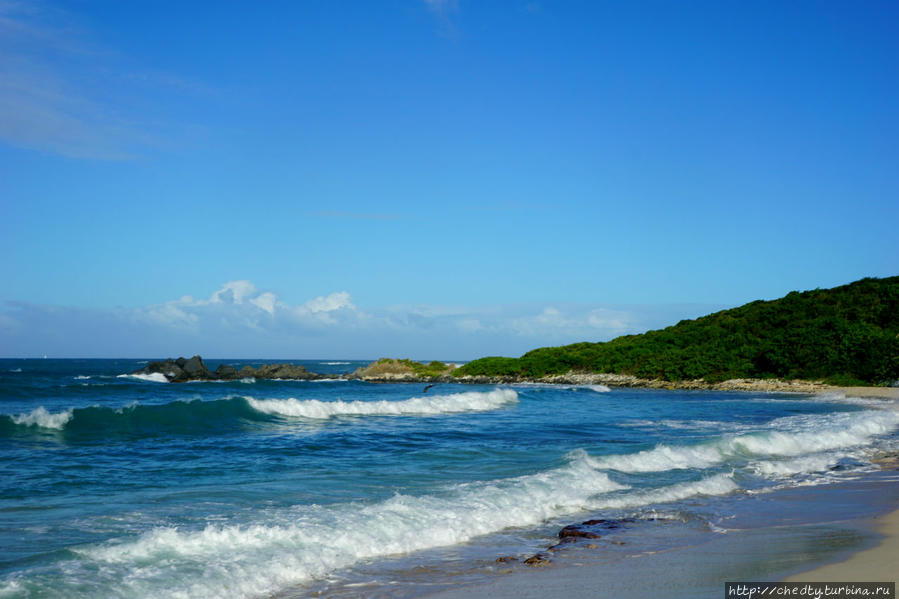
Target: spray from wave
[[41, 418], [153, 377]]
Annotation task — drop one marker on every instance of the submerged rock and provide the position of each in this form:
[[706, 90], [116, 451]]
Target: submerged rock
[[537, 561], [575, 530]]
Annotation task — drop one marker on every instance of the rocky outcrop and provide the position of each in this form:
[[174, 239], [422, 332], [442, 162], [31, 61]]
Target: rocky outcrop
[[170, 369], [194, 369], [283, 371], [405, 371], [409, 371]]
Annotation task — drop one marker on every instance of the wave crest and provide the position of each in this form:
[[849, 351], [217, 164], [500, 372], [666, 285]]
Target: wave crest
[[469, 401], [153, 377], [310, 541], [792, 436], [42, 418]]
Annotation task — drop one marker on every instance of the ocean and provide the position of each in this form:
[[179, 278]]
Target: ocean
[[120, 486]]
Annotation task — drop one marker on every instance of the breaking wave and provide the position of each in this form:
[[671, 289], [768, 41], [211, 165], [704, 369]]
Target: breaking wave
[[469, 401], [309, 541], [791, 436], [222, 415], [154, 377], [306, 542], [41, 418]]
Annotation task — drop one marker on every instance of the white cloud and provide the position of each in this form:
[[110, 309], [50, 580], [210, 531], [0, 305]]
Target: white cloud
[[266, 301], [233, 292], [170, 315], [335, 301], [238, 320]]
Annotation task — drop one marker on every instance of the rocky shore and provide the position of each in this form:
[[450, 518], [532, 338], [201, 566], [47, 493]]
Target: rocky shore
[[389, 370], [182, 370]]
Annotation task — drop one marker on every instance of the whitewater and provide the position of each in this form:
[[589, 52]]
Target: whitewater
[[122, 486]]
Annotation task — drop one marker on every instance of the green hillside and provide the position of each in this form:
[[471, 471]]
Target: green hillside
[[845, 335]]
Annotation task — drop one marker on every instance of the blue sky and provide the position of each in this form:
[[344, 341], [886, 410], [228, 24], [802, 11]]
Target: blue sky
[[441, 179]]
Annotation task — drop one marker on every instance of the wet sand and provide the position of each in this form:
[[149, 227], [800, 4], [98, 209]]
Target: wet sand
[[877, 564]]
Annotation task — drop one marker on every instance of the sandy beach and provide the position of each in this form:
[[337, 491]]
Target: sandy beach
[[880, 563], [702, 570]]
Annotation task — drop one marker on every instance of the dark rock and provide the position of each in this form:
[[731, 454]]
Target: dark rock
[[182, 369], [226, 372], [175, 374], [196, 369], [170, 369], [576, 531], [537, 561], [283, 371], [505, 559]]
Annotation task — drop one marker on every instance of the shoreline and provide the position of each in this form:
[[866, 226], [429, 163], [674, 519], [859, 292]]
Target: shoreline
[[389, 370], [833, 549], [623, 380], [879, 563]]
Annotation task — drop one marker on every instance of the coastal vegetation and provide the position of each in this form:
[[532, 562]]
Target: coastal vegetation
[[847, 335], [404, 368]]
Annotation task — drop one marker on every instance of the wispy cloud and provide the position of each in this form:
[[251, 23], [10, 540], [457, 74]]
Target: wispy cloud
[[45, 104], [240, 320]]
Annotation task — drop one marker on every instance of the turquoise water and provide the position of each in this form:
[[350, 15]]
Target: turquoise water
[[113, 486]]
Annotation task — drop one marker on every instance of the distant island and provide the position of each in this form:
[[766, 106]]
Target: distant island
[[844, 336]]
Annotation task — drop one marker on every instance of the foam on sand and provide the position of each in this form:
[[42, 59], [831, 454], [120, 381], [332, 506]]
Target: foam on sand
[[469, 401]]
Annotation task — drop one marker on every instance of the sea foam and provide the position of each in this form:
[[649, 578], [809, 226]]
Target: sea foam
[[469, 401], [785, 437], [40, 417], [309, 541], [560, 386], [719, 484], [154, 377]]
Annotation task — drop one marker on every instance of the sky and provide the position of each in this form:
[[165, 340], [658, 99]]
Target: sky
[[437, 179]]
